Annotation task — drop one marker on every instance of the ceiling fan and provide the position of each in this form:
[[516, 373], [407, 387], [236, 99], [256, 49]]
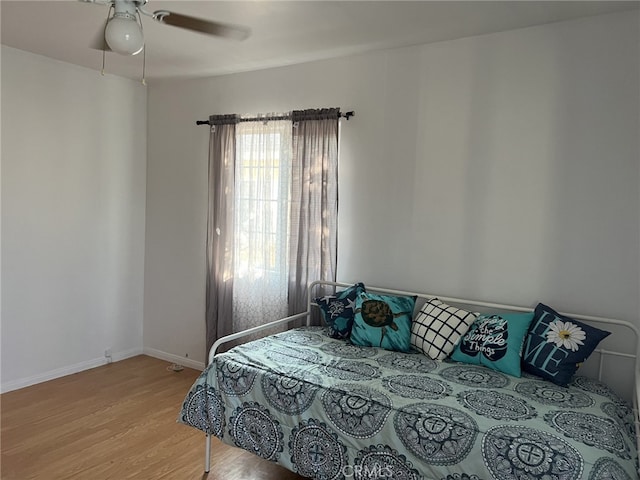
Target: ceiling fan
[[123, 29]]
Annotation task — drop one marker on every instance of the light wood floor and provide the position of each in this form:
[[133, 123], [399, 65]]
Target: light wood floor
[[115, 422]]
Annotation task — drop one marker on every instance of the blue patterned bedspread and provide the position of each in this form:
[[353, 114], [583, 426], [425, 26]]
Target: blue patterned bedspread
[[330, 410]]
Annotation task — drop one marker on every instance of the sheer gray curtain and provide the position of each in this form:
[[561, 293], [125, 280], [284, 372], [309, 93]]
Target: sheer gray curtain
[[310, 215], [263, 184], [314, 202], [220, 227]]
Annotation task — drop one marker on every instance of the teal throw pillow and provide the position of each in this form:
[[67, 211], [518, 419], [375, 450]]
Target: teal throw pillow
[[383, 321], [557, 345], [338, 310], [495, 341]]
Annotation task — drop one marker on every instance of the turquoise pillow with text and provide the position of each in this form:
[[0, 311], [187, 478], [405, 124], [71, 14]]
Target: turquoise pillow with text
[[495, 340], [557, 345]]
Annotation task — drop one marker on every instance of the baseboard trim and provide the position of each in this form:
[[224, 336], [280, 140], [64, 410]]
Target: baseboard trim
[[64, 371], [170, 357]]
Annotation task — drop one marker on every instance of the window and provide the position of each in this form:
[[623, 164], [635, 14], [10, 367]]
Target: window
[[262, 190], [273, 205]]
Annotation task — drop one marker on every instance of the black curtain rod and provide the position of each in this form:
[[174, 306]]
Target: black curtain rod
[[346, 115]]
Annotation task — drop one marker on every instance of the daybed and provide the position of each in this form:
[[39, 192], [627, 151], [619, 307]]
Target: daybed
[[330, 409]]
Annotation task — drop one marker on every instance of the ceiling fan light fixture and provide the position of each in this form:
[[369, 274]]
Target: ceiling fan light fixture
[[123, 34]]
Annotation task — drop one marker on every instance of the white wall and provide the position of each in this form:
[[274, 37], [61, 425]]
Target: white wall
[[73, 207], [501, 167]]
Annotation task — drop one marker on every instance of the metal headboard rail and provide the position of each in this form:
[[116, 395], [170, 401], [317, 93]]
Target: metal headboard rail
[[251, 331]]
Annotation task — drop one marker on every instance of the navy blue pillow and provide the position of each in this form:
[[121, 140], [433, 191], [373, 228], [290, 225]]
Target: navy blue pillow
[[557, 345], [338, 310]]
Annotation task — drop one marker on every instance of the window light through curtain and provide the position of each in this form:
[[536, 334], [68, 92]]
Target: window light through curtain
[[272, 218], [262, 191]]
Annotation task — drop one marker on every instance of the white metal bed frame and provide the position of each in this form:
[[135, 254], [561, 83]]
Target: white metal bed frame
[[634, 329]]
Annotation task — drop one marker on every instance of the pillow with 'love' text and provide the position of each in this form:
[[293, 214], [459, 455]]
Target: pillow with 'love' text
[[495, 341]]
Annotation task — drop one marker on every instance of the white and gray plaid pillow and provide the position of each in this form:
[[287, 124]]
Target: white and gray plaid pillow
[[438, 328]]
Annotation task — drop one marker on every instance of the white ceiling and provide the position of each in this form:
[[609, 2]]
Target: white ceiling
[[283, 32]]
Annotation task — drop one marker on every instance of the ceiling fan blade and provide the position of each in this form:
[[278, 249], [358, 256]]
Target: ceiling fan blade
[[217, 29]]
